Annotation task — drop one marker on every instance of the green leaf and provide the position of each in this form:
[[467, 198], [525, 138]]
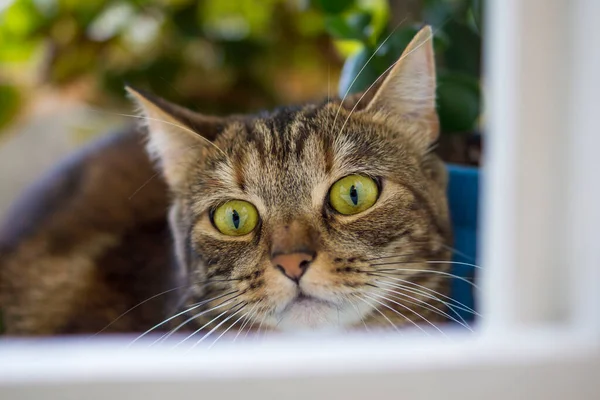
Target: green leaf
[[186, 22], [10, 103], [361, 22], [337, 27], [352, 69], [437, 12], [353, 26], [17, 51], [463, 53], [458, 102], [19, 19], [380, 16], [310, 23], [398, 41], [476, 14], [333, 6]]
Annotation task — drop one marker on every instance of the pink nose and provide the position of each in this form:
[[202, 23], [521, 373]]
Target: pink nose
[[292, 265]]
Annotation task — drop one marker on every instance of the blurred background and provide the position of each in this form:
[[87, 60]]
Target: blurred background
[[63, 64]]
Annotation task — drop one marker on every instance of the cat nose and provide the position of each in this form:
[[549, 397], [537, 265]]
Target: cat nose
[[293, 265]]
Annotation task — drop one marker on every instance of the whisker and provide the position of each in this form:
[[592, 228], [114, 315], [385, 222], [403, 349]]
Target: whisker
[[328, 83], [193, 307], [136, 306], [250, 316], [386, 257], [425, 292], [449, 248], [227, 330], [448, 305], [199, 329], [143, 185], [426, 305], [202, 284], [245, 319], [362, 69], [379, 77], [458, 252], [280, 320], [209, 322], [250, 327], [221, 323], [146, 118], [328, 90], [185, 128], [355, 307], [262, 321], [402, 315], [414, 312], [430, 262], [379, 311], [454, 262], [431, 271], [158, 173], [167, 335]]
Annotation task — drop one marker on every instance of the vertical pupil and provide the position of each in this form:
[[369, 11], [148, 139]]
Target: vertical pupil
[[353, 195], [236, 219]]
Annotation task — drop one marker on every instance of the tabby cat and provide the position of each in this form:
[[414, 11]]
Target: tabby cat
[[314, 217]]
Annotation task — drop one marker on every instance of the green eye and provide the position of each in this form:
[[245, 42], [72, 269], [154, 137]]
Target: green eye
[[353, 194], [235, 218]]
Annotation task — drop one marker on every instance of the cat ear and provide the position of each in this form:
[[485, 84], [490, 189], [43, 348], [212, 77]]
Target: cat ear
[[408, 90], [176, 135]]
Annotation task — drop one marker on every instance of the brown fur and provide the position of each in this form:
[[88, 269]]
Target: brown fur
[[80, 248], [86, 245]]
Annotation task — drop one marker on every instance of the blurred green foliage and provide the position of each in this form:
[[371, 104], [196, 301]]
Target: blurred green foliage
[[213, 55], [225, 56], [457, 42]]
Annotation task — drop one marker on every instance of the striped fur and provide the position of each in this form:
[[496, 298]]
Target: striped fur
[[283, 162]]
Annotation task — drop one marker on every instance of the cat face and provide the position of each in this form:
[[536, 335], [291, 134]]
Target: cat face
[[311, 217]]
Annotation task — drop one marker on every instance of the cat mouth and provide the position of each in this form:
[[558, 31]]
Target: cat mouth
[[305, 300], [307, 312]]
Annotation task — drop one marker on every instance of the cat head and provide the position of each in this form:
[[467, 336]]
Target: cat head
[[310, 217]]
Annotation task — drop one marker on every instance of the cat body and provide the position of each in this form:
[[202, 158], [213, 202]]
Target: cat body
[[79, 248], [314, 217]]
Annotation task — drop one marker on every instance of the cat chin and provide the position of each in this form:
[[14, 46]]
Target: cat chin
[[310, 314]]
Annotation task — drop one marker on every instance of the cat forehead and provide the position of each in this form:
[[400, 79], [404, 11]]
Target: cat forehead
[[291, 134], [285, 156]]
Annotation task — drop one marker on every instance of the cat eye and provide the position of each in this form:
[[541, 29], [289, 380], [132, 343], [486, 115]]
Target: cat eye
[[235, 218], [353, 194]]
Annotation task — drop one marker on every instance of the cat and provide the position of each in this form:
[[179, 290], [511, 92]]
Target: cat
[[314, 217]]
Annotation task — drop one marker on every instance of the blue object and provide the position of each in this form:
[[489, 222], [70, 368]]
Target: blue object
[[463, 198]]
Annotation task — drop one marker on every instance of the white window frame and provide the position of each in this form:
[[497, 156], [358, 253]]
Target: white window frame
[[540, 335]]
